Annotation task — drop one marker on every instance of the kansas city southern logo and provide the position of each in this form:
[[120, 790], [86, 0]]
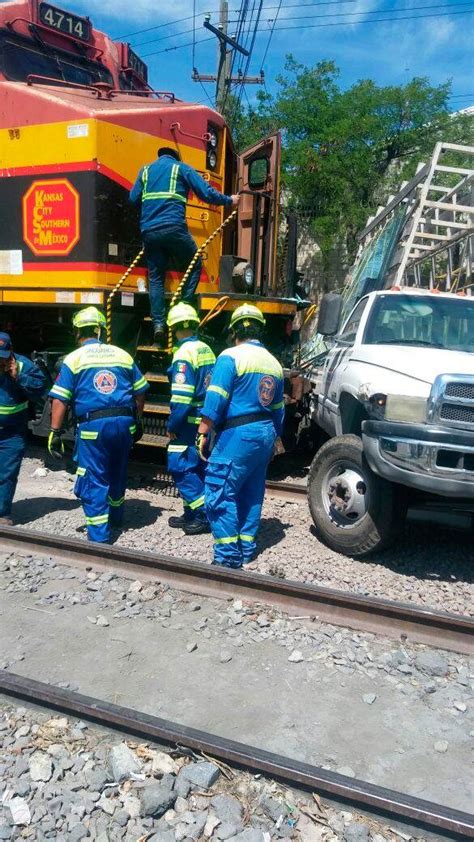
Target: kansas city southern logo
[[266, 390], [105, 382], [51, 221]]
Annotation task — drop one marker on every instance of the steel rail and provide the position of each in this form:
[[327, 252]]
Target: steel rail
[[287, 489], [380, 616], [361, 794]]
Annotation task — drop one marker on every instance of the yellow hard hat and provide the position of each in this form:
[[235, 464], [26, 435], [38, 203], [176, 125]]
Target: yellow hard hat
[[182, 314], [247, 311], [89, 317]]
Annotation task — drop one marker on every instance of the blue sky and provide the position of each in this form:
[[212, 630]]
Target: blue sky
[[439, 47]]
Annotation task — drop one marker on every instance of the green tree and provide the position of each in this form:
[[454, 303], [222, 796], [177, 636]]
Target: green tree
[[345, 150]]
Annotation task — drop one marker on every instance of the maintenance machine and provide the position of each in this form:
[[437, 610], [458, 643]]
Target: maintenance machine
[[77, 121]]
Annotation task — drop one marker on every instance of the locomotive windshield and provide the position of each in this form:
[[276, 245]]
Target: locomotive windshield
[[20, 58]]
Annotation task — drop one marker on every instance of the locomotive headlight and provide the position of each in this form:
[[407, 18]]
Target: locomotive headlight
[[212, 159], [213, 138], [248, 277]]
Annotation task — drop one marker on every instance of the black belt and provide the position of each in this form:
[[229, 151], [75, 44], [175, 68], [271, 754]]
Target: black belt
[[252, 418], [113, 412]]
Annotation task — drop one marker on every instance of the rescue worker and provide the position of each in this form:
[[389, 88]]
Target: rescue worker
[[20, 381], [244, 404], [189, 374], [107, 392], [163, 188]]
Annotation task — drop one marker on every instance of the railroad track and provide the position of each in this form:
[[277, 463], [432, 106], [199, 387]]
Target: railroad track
[[393, 619], [395, 806]]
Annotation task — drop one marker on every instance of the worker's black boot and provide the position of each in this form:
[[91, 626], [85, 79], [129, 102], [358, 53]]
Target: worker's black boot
[[197, 526], [178, 521], [159, 337]]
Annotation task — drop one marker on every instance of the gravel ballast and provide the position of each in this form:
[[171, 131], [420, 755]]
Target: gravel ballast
[[429, 566]]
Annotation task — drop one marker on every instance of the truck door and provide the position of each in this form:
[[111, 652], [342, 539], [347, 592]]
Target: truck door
[[257, 227], [334, 368]]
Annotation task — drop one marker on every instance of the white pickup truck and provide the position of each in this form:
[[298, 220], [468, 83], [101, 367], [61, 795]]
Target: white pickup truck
[[396, 397]]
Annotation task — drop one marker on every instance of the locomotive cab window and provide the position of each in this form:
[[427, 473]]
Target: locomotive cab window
[[19, 58], [259, 170]]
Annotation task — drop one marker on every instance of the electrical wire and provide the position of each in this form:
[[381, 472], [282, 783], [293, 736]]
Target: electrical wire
[[262, 63], [194, 36]]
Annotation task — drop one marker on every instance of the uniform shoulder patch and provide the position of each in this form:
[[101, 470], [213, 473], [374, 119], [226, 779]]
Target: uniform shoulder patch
[[180, 377], [266, 389], [105, 382]]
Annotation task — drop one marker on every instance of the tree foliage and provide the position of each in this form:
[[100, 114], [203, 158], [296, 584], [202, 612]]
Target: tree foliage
[[345, 150]]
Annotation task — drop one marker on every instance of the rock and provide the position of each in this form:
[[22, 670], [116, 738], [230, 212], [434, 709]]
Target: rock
[[197, 828], [92, 620], [225, 657], [272, 807], [200, 775], [102, 621], [191, 646], [227, 809], [182, 787], [135, 587], [251, 834], [309, 831], [78, 832], [123, 763], [180, 805], [108, 805], [227, 830], [39, 473], [356, 832], [96, 778], [163, 764], [431, 663], [20, 812], [121, 817], [263, 621], [211, 823], [460, 706], [369, 698], [41, 767], [162, 836], [156, 799], [441, 746], [296, 657], [132, 805]]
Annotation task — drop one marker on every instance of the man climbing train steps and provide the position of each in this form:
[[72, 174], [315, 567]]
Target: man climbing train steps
[[163, 188]]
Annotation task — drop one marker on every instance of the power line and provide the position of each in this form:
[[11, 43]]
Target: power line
[[270, 36], [323, 25]]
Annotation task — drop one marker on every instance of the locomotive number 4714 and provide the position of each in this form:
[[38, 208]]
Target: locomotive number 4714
[[64, 22]]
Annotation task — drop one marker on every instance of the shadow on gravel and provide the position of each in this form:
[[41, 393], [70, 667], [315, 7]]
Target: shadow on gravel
[[271, 532], [140, 513], [27, 511], [427, 552]]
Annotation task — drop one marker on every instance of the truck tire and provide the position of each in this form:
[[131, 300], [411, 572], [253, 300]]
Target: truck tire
[[352, 508]]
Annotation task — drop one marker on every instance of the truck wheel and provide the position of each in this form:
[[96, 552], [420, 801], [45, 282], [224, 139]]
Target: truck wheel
[[352, 508]]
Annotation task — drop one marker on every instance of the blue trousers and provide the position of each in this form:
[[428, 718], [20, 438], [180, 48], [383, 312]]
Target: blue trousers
[[102, 450], [235, 488], [12, 449], [187, 470], [169, 248]]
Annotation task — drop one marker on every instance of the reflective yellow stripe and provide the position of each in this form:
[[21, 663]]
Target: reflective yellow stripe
[[194, 352], [88, 435], [133, 429], [98, 356], [254, 359], [61, 392], [231, 540], [197, 503], [182, 387], [12, 410], [177, 448], [194, 419], [96, 521], [118, 502], [219, 391], [278, 405], [101, 365], [181, 399], [81, 472], [164, 196], [249, 538], [139, 384]]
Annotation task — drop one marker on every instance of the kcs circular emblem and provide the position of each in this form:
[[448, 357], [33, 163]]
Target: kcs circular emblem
[[266, 390], [105, 382]]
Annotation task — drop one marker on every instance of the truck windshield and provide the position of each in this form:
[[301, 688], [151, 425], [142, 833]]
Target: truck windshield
[[423, 321], [19, 58]]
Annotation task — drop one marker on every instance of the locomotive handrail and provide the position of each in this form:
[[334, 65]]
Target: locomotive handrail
[[50, 79], [36, 25]]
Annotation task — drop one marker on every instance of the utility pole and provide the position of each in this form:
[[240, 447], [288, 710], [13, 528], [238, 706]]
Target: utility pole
[[226, 46]]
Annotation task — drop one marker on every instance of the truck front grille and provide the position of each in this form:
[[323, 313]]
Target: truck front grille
[[451, 403]]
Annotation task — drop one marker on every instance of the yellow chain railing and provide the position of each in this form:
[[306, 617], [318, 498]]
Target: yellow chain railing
[[191, 266], [108, 312]]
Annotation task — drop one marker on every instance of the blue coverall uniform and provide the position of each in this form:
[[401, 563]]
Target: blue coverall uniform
[[29, 384], [189, 374], [163, 188], [245, 402], [98, 378]]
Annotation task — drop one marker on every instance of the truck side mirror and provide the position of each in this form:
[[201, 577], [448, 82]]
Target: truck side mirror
[[329, 314]]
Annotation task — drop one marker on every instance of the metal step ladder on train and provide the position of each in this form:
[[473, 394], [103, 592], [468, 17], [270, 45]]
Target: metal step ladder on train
[[434, 247]]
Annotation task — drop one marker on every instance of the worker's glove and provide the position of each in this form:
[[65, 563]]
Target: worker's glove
[[55, 444], [138, 434], [203, 445]]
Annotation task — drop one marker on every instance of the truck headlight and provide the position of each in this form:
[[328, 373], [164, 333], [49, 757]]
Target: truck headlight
[[406, 408]]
